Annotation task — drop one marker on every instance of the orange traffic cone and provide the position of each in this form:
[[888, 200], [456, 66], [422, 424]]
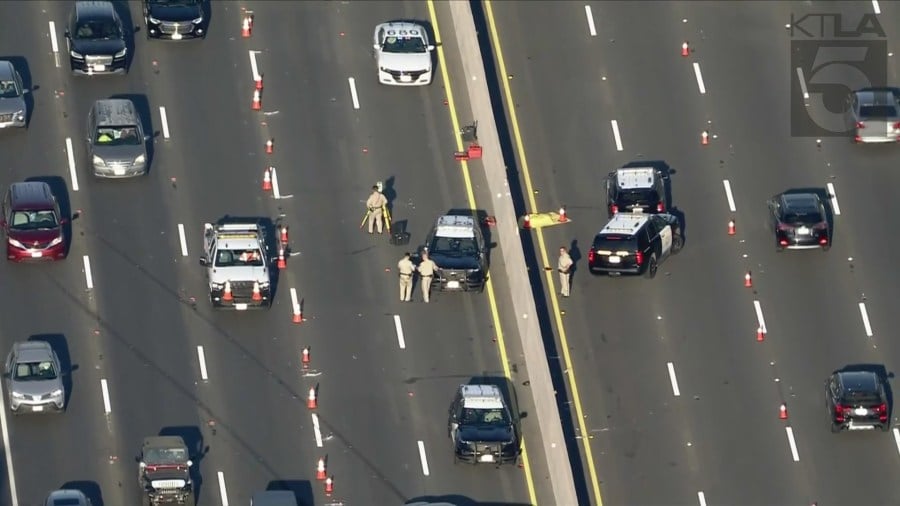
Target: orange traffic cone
[[731, 229], [748, 281], [246, 26], [282, 264], [270, 146], [227, 296], [760, 334], [782, 412], [257, 296], [259, 82], [526, 223], [267, 180], [320, 469], [685, 50], [329, 486], [562, 215], [305, 357], [298, 314], [284, 234], [256, 105], [311, 401], [704, 138]]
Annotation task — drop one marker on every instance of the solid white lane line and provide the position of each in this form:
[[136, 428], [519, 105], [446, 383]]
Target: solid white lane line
[[896, 432], [88, 277], [835, 208], [317, 430], [876, 7], [590, 17], [701, 498], [201, 356], [790, 434], [54, 43], [164, 119], [759, 316], [699, 78], [253, 67], [276, 191], [104, 388], [729, 195], [399, 328], [70, 155], [7, 450], [295, 302], [353, 95], [223, 494], [673, 379], [865, 318], [183, 239], [424, 459], [802, 83], [615, 128]]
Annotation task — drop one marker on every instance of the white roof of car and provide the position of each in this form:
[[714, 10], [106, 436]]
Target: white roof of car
[[481, 397], [456, 227], [402, 29], [625, 223], [635, 177]]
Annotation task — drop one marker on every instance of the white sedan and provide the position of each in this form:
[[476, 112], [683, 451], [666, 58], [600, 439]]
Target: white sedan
[[403, 54]]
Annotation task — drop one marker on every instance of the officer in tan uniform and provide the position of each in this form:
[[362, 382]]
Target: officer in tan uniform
[[426, 273], [375, 204], [565, 271], [406, 269]]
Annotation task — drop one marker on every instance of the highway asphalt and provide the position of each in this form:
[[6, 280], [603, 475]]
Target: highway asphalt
[[140, 326], [720, 439]]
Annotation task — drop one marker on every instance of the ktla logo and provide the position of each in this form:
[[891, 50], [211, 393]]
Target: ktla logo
[[830, 58]]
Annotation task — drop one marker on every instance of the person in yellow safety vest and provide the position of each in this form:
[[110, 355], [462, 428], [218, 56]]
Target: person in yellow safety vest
[[375, 205], [104, 138]]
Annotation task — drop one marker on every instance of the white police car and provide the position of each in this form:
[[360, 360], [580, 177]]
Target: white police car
[[403, 54]]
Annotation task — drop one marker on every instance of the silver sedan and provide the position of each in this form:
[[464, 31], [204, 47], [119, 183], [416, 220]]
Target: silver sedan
[[13, 109]]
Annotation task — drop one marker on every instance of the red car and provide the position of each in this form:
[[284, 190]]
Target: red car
[[32, 223]]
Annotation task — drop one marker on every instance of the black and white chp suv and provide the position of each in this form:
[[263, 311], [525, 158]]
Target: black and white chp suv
[[482, 427], [457, 246], [635, 243], [634, 188]]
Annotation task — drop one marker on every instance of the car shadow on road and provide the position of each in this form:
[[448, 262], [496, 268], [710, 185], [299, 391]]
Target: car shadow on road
[[457, 500]]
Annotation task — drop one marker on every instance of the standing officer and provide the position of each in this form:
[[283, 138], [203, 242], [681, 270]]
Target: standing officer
[[375, 204], [406, 269], [426, 272], [565, 271]]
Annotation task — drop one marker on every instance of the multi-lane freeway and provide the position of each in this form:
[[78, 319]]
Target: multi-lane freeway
[[679, 404], [128, 311]]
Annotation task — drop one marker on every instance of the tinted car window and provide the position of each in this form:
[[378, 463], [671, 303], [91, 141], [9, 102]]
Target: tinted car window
[[616, 242], [641, 197], [877, 111]]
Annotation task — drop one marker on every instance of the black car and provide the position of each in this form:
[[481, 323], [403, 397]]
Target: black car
[[633, 188], [635, 243], [482, 428], [799, 221], [856, 400], [96, 39], [174, 19]]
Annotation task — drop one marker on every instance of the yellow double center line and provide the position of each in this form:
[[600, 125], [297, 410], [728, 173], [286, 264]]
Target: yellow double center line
[[470, 194], [520, 149]]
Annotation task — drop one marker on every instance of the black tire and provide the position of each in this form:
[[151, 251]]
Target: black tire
[[652, 267], [826, 247], [677, 243], [886, 427], [836, 428]]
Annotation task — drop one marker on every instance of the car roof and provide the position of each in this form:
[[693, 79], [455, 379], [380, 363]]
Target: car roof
[[876, 96], [30, 196], [403, 29], [481, 397], [859, 381], [7, 70], [164, 442], [635, 178], [625, 223], [115, 112], [33, 351], [94, 9], [455, 227], [67, 495]]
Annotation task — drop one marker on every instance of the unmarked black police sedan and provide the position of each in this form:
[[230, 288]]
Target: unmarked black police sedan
[[799, 221]]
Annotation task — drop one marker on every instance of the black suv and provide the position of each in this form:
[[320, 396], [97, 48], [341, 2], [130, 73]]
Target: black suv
[[799, 221], [634, 188], [96, 39], [635, 243], [174, 19], [856, 400]]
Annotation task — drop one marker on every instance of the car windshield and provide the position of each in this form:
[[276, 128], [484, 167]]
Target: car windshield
[[637, 197], [404, 45], [8, 89], [484, 417], [96, 30], [35, 371], [117, 136], [615, 242], [878, 111], [454, 247], [165, 456], [34, 220], [239, 257]]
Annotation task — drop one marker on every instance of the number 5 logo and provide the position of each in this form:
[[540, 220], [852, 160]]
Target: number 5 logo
[[835, 70]]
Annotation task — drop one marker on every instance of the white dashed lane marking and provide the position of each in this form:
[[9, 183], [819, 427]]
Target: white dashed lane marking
[[54, 43], [317, 431], [701, 498], [164, 120], [423, 458], [399, 327], [616, 135], [223, 494], [729, 195], [104, 388], [790, 435], [759, 316], [201, 356], [865, 318], [699, 77], [802, 84], [88, 277], [876, 7], [673, 379], [590, 17], [70, 157], [353, 94], [183, 239], [896, 432], [835, 208], [254, 68]]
